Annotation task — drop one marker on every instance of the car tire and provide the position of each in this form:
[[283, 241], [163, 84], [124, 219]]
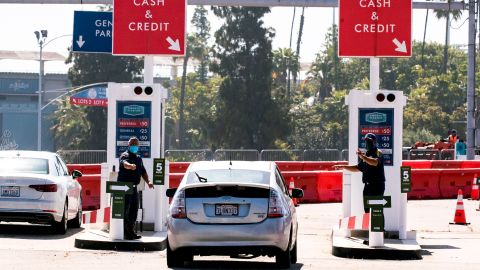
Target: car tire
[[283, 258], [61, 227], [293, 254], [174, 258], [77, 221]]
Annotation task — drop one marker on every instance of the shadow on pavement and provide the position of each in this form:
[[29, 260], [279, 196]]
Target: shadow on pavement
[[32, 231], [438, 247], [204, 264]]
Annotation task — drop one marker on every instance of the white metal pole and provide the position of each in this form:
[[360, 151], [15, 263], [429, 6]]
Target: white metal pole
[[148, 69], [402, 228], [374, 73], [39, 112]]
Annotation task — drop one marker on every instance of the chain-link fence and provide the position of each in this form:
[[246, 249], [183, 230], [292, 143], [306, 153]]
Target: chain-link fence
[[322, 155]]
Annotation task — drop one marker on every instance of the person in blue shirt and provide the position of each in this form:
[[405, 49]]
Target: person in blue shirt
[[371, 166], [460, 148], [131, 169]]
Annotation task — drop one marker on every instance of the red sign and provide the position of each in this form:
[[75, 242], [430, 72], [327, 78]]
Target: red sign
[[88, 102], [143, 27], [371, 28]]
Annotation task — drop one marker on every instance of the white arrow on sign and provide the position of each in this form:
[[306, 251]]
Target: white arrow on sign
[[401, 47], [174, 45], [80, 41], [118, 188], [378, 202]]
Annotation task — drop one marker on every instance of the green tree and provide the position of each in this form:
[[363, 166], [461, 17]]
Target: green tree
[[247, 116], [196, 47], [285, 61], [89, 124]]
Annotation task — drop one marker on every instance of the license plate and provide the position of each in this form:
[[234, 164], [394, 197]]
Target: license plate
[[226, 210], [10, 192]]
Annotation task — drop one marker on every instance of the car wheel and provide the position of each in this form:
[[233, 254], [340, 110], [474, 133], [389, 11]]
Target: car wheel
[[61, 227], [283, 258], [174, 258], [77, 221], [293, 254]]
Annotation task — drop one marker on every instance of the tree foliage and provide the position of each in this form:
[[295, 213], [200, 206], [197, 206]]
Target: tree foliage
[[247, 115]]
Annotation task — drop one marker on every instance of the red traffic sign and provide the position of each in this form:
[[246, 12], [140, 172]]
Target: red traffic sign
[[149, 27], [375, 28]]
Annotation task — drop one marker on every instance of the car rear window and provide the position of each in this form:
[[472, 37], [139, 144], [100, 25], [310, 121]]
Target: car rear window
[[23, 165], [230, 176]]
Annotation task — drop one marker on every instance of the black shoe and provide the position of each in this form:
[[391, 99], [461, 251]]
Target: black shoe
[[129, 237]]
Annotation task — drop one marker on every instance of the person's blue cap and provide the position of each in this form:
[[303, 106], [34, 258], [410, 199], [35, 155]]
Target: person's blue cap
[[370, 136]]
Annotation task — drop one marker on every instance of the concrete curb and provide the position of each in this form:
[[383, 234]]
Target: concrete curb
[[99, 240]]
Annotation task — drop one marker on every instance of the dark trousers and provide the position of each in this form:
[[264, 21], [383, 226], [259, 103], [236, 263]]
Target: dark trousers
[[372, 189], [131, 210]]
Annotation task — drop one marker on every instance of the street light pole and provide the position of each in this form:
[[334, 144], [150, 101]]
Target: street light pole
[[41, 36]]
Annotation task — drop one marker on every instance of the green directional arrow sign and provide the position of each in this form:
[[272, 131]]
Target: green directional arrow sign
[[406, 179], [119, 187], [378, 201]]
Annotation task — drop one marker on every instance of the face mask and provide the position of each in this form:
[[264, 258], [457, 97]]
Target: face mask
[[369, 145], [133, 149]]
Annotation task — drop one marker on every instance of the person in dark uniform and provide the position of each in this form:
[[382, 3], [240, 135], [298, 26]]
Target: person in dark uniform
[[131, 169], [371, 165]]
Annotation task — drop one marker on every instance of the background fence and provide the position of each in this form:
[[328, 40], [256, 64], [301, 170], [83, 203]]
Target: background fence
[[188, 155]]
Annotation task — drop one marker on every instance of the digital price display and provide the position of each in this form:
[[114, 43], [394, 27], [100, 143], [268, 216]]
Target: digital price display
[[134, 119], [380, 123]]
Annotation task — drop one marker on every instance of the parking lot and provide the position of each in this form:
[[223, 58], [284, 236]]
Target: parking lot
[[444, 246]]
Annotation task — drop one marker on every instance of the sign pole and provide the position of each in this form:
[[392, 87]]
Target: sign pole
[[374, 73]]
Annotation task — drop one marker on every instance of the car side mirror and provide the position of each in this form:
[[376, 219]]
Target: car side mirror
[[171, 192], [76, 174], [297, 193]]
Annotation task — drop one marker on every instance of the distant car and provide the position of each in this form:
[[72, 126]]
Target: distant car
[[238, 208], [36, 187]]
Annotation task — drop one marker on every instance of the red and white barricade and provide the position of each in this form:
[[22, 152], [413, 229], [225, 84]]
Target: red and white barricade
[[361, 222], [97, 216]]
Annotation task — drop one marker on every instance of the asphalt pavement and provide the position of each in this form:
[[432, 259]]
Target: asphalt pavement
[[444, 246]]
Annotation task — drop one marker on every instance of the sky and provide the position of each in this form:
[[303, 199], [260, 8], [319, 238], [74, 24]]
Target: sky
[[19, 21]]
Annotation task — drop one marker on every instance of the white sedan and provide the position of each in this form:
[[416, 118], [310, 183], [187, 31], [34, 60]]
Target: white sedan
[[36, 187]]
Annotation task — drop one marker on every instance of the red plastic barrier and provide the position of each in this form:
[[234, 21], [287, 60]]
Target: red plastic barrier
[[90, 191], [418, 164], [175, 179], [329, 186], [321, 165], [446, 164], [425, 184], [285, 166], [179, 167], [471, 164], [85, 168], [453, 180], [306, 181]]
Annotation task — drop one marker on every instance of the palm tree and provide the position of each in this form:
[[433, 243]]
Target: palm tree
[[455, 15]]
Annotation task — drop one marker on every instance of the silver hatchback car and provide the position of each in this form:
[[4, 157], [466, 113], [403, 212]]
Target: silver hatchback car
[[234, 208]]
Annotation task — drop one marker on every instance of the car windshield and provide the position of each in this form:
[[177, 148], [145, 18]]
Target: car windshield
[[229, 176], [23, 165]]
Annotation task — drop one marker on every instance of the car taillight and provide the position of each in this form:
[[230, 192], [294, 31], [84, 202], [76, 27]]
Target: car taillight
[[45, 188], [178, 206], [275, 208]]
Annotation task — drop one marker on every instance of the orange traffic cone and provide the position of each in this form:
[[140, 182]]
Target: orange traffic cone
[[291, 186], [475, 191], [460, 218]]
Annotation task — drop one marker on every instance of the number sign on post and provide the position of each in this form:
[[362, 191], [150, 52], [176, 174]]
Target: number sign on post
[[158, 171]]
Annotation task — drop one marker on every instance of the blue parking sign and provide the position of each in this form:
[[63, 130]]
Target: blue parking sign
[[92, 31]]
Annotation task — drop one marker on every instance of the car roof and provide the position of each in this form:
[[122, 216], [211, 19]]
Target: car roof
[[239, 165], [24, 153]]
